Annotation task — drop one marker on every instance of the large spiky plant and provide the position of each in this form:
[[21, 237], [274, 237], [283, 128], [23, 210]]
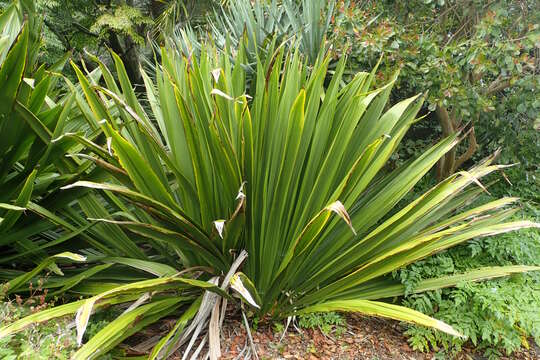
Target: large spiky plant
[[258, 23], [290, 169]]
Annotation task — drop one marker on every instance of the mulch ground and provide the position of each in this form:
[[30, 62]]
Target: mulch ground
[[364, 338]]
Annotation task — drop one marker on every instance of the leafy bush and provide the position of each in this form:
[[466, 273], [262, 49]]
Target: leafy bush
[[473, 57]]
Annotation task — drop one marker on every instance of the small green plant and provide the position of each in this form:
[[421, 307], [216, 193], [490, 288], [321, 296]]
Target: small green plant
[[325, 322], [6, 352], [100, 320], [51, 340], [495, 316], [278, 327]]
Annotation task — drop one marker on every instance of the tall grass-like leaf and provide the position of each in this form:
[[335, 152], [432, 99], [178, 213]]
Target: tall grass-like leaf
[[22, 201], [16, 283], [381, 309], [11, 72]]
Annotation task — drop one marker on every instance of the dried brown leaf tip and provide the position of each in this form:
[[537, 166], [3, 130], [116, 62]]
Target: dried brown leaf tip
[[339, 209]]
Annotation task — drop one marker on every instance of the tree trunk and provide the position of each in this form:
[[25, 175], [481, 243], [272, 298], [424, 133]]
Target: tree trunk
[[129, 54], [448, 164]]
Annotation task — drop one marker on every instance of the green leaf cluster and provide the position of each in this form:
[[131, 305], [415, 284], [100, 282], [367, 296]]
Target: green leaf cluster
[[123, 20]]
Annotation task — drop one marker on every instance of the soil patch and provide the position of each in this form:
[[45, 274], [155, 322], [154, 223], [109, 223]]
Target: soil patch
[[362, 338]]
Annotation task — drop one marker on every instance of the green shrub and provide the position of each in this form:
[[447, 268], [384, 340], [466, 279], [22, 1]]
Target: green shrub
[[464, 42], [475, 60], [325, 322]]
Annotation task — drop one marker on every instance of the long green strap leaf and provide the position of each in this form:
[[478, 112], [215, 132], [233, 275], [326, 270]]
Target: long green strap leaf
[[376, 308]]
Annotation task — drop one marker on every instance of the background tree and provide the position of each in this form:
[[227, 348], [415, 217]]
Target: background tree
[[470, 55], [119, 25]]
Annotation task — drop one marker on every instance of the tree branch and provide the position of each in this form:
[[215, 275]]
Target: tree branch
[[473, 146], [84, 30], [446, 164], [445, 120], [497, 85]]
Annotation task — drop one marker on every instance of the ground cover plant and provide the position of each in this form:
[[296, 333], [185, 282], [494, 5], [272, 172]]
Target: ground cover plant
[[264, 188]]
